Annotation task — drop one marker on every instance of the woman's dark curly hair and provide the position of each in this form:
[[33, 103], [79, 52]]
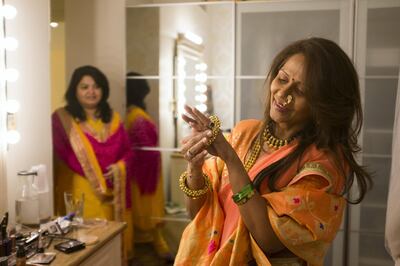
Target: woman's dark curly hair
[[73, 106], [333, 94]]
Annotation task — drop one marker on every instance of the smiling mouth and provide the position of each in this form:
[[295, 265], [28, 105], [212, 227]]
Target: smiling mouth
[[280, 106]]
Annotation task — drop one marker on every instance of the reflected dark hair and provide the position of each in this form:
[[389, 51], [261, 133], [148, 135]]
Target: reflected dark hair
[[136, 90], [333, 94], [73, 106]]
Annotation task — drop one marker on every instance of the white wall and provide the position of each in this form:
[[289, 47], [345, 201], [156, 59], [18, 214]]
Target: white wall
[[95, 35], [31, 28]]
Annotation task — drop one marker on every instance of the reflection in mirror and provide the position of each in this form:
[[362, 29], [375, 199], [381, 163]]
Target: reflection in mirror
[[186, 59], [191, 81]]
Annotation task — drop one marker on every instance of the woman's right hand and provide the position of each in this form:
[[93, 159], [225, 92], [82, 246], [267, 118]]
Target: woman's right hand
[[194, 149]]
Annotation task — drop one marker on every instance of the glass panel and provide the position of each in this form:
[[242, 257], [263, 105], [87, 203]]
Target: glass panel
[[252, 98], [258, 47], [152, 32], [380, 100], [372, 250], [381, 170], [383, 41], [378, 50]]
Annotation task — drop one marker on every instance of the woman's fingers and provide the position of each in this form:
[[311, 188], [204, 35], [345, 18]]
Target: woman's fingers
[[199, 158], [197, 119], [194, 145]]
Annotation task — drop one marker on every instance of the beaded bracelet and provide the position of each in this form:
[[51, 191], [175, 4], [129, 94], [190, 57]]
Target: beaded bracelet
[[194, 194], [244, 195], [215, 126]]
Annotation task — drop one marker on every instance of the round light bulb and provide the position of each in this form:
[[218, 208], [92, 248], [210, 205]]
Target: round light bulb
[[201, 98], [13, 136], [12, 106], [201, 77], [201, 66], [201, 107], [8, 11], [53, 24], [9, 43], [11, 74], [201, 88]]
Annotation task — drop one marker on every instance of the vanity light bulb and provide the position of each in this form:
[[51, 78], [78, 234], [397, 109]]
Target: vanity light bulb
[[201, 88], [8, 11], [201, 107], [9, 43], [13, 136], [201, 66], [201, 77], [11, 74], [53, 24], [193, 37], [201, 98], [12, 106]]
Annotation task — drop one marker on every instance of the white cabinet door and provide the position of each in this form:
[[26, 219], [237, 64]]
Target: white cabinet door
[[264, 28], [377, 57]]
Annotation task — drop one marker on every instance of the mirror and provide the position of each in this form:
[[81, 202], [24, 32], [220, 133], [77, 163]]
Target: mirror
[[238, 41], [190, 85]]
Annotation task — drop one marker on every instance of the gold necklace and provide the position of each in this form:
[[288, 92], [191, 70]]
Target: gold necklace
[[274, 142], [253, 155]]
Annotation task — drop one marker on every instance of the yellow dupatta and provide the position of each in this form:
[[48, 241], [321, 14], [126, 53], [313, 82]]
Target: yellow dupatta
[[86, 156]]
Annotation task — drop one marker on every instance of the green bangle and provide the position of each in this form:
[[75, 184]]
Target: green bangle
[[244, 195]]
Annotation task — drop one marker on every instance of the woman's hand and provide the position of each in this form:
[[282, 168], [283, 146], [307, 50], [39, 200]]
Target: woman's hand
[[111, 172], [200, 123]]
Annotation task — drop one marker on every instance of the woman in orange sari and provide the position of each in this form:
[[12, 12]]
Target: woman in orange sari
[[273, 192], [92, 154]]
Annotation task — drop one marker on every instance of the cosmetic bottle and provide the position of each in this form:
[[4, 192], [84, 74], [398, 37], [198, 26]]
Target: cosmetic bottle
[[21, 256], [4, 244]]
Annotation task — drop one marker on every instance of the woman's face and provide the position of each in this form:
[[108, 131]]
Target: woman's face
[[294, 113], [88, 93]]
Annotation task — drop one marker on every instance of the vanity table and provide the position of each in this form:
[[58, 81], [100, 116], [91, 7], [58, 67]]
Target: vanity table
[[106, 251]]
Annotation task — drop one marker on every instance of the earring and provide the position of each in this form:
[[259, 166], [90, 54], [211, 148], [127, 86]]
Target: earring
[[288, 100]]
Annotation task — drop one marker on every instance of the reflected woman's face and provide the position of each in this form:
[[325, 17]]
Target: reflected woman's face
[[288, 102], [88, 93]]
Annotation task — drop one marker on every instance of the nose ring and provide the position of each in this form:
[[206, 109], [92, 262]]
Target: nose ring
[[288, 100]]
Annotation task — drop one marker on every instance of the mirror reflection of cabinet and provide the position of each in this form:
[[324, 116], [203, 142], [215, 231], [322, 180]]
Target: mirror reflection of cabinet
[[377, 59]]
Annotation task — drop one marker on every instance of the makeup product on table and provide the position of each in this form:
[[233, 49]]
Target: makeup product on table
[[21, 256]]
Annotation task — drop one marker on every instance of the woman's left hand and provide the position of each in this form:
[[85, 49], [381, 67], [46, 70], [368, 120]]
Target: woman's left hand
[[201, 123], [109, 175]]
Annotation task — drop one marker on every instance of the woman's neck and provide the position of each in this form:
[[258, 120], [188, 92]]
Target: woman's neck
[[285, 131], [90, 113]]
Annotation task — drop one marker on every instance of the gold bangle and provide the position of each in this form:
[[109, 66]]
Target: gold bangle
[[194, 194], [215, 126]]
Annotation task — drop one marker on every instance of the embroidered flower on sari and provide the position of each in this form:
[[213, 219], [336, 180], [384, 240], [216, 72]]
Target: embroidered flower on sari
[[296, 200], [212, 247], [321, 226], [336, 208]]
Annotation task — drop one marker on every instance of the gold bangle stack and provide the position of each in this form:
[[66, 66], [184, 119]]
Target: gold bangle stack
[[194, 194], [215, 126]]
